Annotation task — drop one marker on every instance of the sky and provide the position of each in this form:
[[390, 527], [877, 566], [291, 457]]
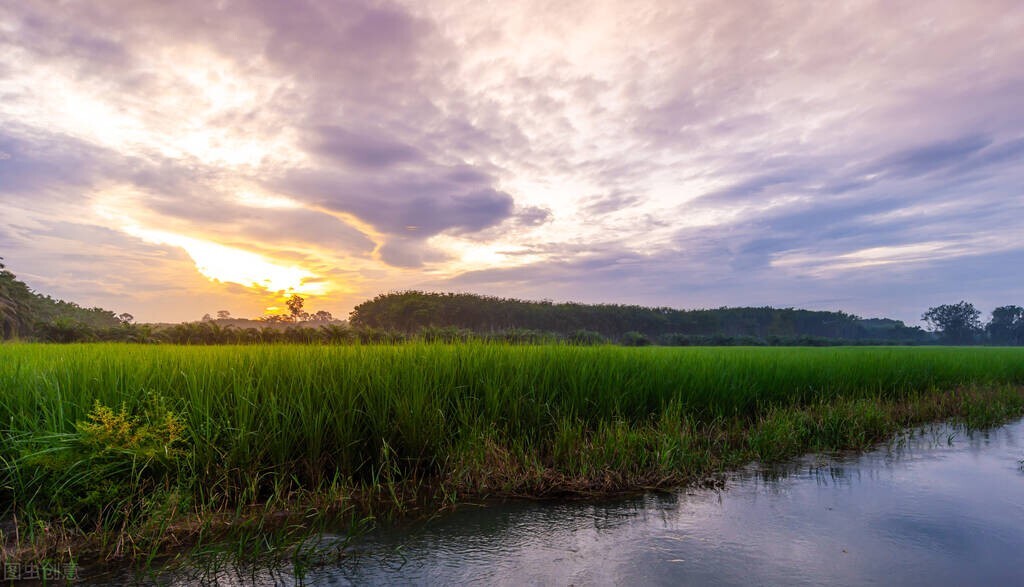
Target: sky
[[171, 159]]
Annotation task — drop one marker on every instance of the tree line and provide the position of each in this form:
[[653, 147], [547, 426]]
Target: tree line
[[27, 314], [296, 313], [450, 317], [411, 311], [958, 324]]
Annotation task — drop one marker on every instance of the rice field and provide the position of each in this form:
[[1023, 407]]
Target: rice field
[[102, 440]]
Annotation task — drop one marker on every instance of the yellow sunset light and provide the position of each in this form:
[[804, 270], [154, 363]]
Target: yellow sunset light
[[467, 255], [231, 265], [266, 201]]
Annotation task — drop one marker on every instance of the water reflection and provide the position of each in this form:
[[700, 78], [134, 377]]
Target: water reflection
[[938, 507]]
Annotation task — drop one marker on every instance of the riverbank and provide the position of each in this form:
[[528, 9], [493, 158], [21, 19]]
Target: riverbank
[[127, 451]]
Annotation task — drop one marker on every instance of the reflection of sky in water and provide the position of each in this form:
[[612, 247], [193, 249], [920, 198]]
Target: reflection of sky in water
[[930, 513]]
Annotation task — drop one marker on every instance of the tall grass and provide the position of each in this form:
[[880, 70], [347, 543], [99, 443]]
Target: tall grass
[[245, 425]]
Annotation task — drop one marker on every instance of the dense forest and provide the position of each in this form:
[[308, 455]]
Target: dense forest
[[27, 314], [412, 311]]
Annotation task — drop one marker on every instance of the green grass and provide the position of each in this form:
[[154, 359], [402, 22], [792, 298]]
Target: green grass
[[126, 444]]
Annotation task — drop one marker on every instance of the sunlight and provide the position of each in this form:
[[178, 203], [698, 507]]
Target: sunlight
[[67, 106], [255, 200], [231, 265], [467, 255], [199, 85]]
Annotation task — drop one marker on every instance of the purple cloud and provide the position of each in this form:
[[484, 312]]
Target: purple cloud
[[701, 155]]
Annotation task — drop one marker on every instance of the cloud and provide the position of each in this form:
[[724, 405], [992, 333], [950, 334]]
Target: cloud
[[35, 161], [367, 149], [417, 199], [682, 155], [929, 158], [409, 253], [533, 216]]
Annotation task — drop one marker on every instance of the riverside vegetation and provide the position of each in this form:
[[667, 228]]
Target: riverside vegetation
[[129, 450]]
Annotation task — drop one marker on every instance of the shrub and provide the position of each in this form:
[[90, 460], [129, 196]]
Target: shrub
[[634, 338]]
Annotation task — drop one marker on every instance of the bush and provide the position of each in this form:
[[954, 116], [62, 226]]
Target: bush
[[634, 338], [587, 337], [114, 464]]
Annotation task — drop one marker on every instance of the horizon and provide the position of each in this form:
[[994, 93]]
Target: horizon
[[171, 161], [282, 312]]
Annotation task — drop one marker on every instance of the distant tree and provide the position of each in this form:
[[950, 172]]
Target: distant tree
[[956, 323], [1007, 325], [634, 338], [64, 330], [207, 318], [586, 337], [126, 318], [322, 316], [223, 315], [295, 304]]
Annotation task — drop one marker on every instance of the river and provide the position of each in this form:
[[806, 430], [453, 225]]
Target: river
[[938, 507]]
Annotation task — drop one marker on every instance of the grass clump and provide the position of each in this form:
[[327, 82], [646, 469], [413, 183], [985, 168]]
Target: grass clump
[[116, 471], [157, 436]]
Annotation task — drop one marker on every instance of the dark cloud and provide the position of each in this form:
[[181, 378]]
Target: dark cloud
[[419, 199], [1008, 152], [370, 149], [533, 216], [349, 37], [34, 161], [933, 157], [467, 175], [409, 253]]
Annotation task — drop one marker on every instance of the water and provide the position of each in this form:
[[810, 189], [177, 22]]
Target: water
[[941, 508]]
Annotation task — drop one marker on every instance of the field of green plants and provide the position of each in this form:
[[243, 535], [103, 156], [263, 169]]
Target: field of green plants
[[108, 441]]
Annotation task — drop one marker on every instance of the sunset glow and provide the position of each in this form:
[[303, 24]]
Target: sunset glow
[[229, 265]]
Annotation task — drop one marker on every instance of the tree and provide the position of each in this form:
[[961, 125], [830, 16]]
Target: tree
[[633, 338], [207, 318], [1007, 325], [322, 316], [126, 318], [955, 323], [223, 315], [295, 304]]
